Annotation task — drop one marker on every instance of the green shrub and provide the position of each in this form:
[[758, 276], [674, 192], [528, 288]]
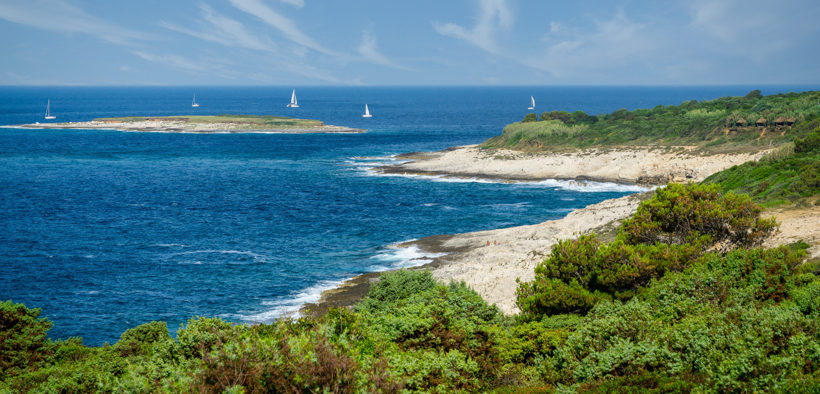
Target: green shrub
[[809, 144], [754, 94], [139, 339], [681, 213], [23, 342], [667, 233], [439, 338], [530, 117], [287, 361], [724, 324], [201, 334], [397, 285]]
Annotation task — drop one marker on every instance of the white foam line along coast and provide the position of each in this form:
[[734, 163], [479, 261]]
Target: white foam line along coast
[[632, 165], [374, 167], [393, 257]]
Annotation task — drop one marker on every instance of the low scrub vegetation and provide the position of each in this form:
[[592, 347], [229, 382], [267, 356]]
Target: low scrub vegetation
[[725, 124], [784, 178]]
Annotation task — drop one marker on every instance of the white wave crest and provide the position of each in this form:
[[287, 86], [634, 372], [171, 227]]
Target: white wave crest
[[288, 306], [393, 257], [572, 185]]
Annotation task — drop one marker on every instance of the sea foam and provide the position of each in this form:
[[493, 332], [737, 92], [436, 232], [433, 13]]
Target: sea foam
[[391, 258], [368, 166]]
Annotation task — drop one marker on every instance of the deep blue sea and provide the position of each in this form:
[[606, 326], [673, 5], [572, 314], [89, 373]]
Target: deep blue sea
[[105, 230]]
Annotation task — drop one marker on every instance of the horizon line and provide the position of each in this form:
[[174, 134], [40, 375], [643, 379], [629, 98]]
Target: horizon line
[[407, 86]]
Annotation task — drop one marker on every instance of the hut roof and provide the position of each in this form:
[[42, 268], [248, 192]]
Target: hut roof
[[761, 120], [791, 120], [780, 120], [740, 121]]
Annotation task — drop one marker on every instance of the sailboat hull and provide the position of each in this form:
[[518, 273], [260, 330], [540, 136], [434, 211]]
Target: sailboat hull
[[51, 117], [367, 116], [293, 105]]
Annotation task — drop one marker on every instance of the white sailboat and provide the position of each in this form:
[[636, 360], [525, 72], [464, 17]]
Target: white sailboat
[[293, 102], [193, 103], [48, 111], [532, 101], [366, 112]]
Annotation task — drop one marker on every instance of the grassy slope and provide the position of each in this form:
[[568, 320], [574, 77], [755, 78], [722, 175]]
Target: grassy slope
[[780, 179], [709, 125], [257, 122]]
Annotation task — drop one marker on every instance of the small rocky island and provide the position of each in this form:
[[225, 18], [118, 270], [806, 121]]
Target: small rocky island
[[203, 124]]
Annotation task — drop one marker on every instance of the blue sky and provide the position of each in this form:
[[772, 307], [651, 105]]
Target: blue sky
[[414, 42]]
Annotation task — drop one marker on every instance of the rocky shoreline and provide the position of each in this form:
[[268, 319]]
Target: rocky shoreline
[[633, 165], [491, 261]]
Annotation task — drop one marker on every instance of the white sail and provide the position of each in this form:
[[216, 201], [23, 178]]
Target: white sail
[[367, 112], [293, 102], [193, 103], [48, 111], [532, 101]]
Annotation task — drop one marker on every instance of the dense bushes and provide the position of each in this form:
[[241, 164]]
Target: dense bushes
[[682, 213], [580, 273], [410, 333], [667, 233], [23, 343], [530, 118], [436, 337], [577, 117], [727, 323]]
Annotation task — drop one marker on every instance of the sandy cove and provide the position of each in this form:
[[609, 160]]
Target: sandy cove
[[634, 165], [168, 126]]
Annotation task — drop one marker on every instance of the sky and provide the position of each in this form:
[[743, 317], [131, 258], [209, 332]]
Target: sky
[[409, 42]]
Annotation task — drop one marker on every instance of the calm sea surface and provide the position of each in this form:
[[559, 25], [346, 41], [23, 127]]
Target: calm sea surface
[[105, 230]]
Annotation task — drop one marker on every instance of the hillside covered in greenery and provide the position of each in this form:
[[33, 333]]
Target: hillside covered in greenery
[[791, 176], [724, 124]]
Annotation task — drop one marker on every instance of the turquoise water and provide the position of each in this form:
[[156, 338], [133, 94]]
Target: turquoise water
[[105, 230]]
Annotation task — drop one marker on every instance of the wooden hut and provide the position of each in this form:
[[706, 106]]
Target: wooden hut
[[790, 121], [780, 121], [761, 122], [740, 122]]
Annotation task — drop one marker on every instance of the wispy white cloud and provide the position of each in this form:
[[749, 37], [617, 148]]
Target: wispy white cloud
[[281, 23], [174, 61], [231, 33], [370, 51], [298, 3], [609, 45], [225, 31], [493, 14], [63, 17]]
